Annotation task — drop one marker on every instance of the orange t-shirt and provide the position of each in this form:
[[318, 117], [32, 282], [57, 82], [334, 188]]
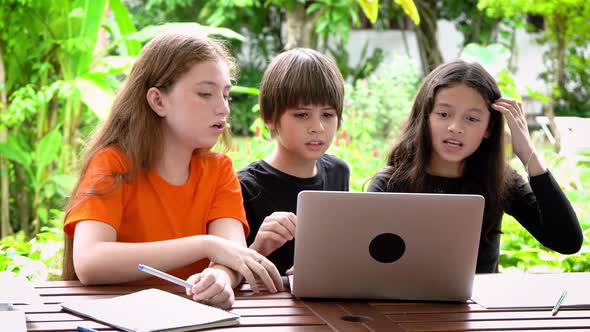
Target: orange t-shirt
[[148, 208]]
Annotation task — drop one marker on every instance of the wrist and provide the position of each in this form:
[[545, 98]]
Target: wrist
[[207, 244], [260, 248], [232, 278]]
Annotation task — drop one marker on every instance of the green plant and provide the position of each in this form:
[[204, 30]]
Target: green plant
[[367, 64], [38, 259], [495, 58], [376, 108], [518, 247]]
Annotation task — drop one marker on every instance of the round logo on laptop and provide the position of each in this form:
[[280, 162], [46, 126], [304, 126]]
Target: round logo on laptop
[[387, 247]]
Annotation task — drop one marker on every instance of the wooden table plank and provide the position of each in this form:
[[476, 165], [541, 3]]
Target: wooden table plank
[[70, 322], [496, 325], [351, 316], [425, 307], [489, 315]]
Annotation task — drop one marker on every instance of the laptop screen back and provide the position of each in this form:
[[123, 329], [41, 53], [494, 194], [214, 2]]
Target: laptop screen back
[[386, 245]]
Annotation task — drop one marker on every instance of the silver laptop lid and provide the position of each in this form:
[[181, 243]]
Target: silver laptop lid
[[386, 245]]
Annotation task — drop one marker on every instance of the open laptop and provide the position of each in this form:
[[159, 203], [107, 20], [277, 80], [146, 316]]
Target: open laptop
[[386, 245]]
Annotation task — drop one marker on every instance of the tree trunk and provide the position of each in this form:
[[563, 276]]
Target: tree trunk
[[5, 227], [430, 54], [558, 27], [301, 28]]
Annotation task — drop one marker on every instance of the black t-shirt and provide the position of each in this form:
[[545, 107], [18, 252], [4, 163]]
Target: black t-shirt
[[539, 206], [265, 190]]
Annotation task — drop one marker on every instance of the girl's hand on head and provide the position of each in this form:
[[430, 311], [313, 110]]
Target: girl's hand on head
[[275, 231], [212, 287], [247, 262], [515, 117]]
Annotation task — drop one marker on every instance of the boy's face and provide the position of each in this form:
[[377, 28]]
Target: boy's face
[[306, 132]]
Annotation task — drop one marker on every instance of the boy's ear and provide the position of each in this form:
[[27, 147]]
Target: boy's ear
[[154, 98], [270, 125]]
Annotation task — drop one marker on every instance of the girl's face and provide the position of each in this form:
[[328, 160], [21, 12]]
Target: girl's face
[[196, 107], [458, 123]]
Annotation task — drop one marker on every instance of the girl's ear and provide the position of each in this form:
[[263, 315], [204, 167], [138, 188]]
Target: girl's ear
[[154, 98]]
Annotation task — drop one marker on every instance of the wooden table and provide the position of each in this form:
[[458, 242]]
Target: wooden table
[[283, 312]]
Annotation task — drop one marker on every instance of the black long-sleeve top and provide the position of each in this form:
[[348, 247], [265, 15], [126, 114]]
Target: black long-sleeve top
[[540, 207]]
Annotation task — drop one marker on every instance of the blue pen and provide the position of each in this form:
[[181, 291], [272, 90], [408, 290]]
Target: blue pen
[[165, 276], [85, 329]]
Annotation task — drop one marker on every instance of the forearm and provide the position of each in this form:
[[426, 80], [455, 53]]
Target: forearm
[[534, 164], [547, 214], [116, 262], [230, 229]]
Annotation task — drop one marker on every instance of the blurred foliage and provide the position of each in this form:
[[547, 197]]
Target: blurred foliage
[[38, 259], [566, 32], [518, 247]]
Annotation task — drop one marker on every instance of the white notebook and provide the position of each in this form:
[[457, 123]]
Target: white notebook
[[153, 310], [529, 290]]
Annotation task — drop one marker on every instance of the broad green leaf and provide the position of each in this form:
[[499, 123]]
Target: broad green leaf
[[96, 94], [47, 150], [126, 26], [92, 13], [13, 151], [410, 9]]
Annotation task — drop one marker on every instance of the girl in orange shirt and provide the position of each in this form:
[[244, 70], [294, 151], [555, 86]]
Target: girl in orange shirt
[[150, 190]]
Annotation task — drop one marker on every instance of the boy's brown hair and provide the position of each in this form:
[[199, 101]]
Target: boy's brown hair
[[300, 77]]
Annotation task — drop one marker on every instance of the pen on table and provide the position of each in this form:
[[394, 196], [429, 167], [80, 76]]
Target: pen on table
[[558, 304], [164, 275], [85, 329]]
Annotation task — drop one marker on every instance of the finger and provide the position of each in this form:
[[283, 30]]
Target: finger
[[287, 218], [221, 297], [208, 293], [506, 112], [244, 270], [229, 302], [290, 271], [195, 278], [259, 269], [207, 279], [289, 222], [280, 227], [275, 238], [274, 276], [514, 107]]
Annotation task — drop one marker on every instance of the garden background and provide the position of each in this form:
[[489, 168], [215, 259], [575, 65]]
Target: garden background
[[62, 61]]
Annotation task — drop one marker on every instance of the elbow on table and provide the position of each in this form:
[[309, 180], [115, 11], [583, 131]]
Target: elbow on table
[[570, 247], [86, 271]]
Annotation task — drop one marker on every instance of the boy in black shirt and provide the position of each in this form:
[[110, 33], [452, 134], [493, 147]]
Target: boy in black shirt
[[301, 101]]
